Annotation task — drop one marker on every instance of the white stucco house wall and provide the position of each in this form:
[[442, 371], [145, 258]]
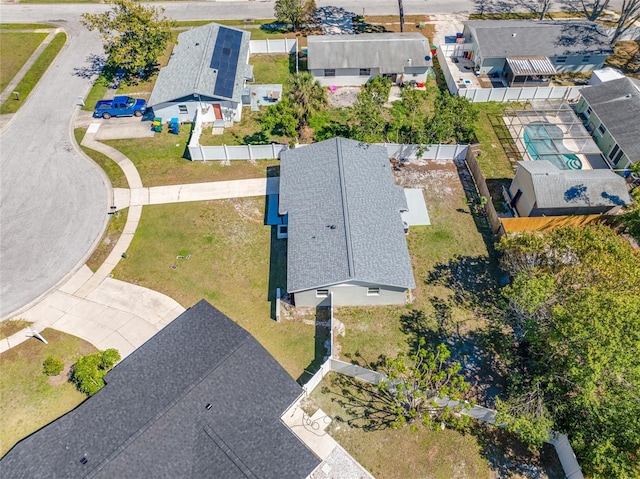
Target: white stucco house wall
[[345, 230], [351, 60], [207, 72]]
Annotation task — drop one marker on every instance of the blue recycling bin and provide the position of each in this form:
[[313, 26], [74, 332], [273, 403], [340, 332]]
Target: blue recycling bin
[[174, 126]]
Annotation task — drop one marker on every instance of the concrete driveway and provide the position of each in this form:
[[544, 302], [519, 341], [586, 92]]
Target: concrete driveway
[[53, 201], [121, 128]]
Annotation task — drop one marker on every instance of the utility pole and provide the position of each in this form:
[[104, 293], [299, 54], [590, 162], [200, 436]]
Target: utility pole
[[401, 6]]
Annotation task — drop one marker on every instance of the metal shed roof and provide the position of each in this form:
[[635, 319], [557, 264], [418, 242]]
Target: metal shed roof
[[531, 65]]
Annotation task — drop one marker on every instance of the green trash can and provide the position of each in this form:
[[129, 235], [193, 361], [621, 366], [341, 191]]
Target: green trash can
[[157, 124]]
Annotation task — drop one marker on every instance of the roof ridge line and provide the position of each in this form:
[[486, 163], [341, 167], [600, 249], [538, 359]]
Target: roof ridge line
[[196, 80], [345, 208]]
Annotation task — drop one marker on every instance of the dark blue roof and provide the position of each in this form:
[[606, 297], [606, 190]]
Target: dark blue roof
[[225, 60]]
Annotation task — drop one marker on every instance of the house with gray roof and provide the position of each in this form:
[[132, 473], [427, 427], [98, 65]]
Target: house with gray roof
[[539, 188], [343, 60], [611, 113], [201, 399], [345, 231], [206, 74], [539, 48]]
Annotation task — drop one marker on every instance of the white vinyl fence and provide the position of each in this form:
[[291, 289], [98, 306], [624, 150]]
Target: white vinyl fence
[[280, 45], [483, 95]]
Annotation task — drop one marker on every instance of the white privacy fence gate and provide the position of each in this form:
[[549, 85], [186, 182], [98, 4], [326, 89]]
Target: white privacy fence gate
[[280, 45]]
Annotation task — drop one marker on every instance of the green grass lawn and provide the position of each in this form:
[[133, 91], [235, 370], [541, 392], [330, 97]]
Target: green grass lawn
[[31, 79], [110, 167], [30, 400], [236, 263], [160, 161], [24, 26], [494, 139], [271, 68], [117, 222], [15, 50]]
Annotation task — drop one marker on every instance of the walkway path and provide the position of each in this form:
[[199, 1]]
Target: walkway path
[[114, 314]]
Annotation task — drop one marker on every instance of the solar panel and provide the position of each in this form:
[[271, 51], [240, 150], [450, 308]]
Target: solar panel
[[225, 59]]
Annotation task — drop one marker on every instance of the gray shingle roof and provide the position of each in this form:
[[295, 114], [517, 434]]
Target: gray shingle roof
[[388, 51], [151, 420], [509, 38], [189, 70], [617, 104], [555, 188], [344, 216]]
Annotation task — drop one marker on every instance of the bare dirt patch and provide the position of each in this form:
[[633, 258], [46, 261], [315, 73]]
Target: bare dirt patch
[[343, 96], [63, 377]]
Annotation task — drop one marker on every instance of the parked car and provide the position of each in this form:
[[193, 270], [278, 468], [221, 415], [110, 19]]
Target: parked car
[[120, 106]]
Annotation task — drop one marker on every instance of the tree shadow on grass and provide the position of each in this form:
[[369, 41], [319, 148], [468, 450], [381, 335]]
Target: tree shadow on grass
[[366, 408], [321, 344], [507, 455]]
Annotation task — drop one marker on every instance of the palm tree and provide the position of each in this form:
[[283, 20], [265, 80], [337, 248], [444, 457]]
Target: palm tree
[[306, 95]]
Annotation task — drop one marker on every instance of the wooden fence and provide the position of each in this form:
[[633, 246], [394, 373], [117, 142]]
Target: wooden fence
[[541, 223], [483, 189]]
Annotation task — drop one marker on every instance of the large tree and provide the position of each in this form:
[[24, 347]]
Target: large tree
[[133, 35], [629, 15], [306, 96], [574, 304], [418, 388], [369, 110], [295, 12]]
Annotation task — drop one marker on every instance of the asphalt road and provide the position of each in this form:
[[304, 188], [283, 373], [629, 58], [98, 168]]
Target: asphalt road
[[53, 202], [223, 9]]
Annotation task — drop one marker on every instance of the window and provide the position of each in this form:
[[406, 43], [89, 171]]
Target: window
[[615, 154], [183, 109], [373, 291], [329, 72], [561, 60], [322, 293], [601, 129], [365, 72], [587, 112], [586, 59]]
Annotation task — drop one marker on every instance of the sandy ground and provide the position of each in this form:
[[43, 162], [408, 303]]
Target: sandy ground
[[343, 97]]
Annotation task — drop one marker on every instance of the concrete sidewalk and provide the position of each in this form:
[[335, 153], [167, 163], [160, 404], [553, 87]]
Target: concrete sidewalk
[[216, 190]]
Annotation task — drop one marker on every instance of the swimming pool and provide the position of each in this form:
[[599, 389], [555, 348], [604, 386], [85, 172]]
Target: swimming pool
[[544, 142]]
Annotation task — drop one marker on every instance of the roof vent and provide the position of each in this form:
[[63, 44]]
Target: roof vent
[[409, 61], [331, 227], [208, 406], [84, 460], [197, 44], [513, 34]]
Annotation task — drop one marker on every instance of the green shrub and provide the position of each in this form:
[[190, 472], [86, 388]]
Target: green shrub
[[88, 371], [52, 366]]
